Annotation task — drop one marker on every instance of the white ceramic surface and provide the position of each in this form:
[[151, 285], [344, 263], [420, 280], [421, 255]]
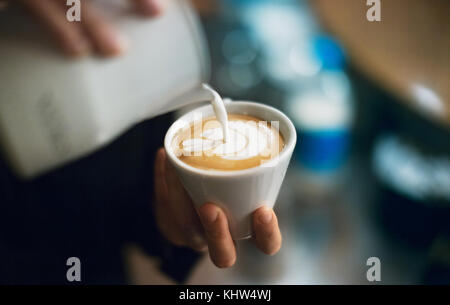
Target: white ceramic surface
[[239, 192]]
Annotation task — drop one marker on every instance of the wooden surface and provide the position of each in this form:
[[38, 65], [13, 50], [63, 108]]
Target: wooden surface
[[408, 52]]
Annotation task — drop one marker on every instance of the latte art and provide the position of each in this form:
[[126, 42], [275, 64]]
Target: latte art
[[250, 143]]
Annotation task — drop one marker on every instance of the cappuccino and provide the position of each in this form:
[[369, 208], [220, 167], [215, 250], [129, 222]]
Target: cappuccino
[[250, 142]]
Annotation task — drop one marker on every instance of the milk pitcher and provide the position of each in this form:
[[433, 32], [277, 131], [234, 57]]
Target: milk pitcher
[[54, 110]]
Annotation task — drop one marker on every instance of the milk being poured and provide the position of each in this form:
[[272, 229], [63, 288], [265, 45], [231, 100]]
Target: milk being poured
[[234, 137], [219, 110]]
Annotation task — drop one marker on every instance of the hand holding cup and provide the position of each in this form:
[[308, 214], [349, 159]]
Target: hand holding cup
[[207, 226]]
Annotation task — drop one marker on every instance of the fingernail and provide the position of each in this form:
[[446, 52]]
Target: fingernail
[[210, 217], [266, 216]]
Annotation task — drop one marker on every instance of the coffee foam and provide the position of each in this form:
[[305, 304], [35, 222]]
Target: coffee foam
[[250, 143]]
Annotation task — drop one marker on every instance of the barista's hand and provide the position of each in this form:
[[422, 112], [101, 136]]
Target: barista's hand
[[207, 227], [93, 33]]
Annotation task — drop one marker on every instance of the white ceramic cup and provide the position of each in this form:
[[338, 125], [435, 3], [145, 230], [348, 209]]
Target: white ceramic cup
[[239, 193]]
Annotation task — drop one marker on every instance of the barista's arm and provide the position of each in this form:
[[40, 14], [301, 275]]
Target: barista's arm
[[92, 34], [206, 228]]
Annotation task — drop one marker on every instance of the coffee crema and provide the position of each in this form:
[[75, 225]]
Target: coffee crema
[[251, 142]]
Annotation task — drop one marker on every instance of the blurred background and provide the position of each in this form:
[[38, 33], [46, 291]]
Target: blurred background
[[370, 176]]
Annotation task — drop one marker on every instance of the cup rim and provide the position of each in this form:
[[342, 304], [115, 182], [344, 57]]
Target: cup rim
[[285, 153]]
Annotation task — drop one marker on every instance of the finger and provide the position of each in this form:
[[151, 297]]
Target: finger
[[106, 39], [267, 233], [159, 176], [183, 210], [162, 214], [69, 36], [148, 7], [220, 244]]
